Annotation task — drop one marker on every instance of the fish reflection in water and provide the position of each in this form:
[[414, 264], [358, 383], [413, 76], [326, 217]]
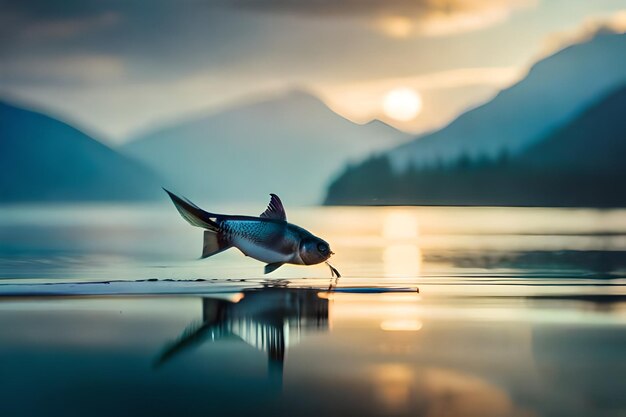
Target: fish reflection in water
[[270, 320]]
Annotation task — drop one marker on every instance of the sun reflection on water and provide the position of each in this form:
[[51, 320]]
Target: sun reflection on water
[[402, 256], [438, 392], [401, 325], [403, 260], [393, 386], [400, 224]]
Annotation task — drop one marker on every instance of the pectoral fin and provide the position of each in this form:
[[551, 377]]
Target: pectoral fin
[[273, 267]]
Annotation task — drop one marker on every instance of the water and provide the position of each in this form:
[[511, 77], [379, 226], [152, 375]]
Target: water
[[440, 312]]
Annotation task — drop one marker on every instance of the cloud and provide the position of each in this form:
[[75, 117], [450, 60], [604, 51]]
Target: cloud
[[374, 7], [31, 21], [400, 18], [463, 77], [73, 69], [60, 28], [453, 78], [591, 27]]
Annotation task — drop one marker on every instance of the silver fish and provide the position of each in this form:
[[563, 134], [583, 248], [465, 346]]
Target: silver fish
[[268, 238]]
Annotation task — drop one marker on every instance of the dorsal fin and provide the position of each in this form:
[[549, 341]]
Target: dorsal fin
[[275, 209]]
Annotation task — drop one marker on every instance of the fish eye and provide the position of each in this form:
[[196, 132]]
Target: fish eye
[[322, 248]]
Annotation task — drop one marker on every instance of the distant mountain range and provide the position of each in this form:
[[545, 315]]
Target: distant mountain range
[[44, 159], [290, 145], [555, 90], [579, 164], [556, 138]]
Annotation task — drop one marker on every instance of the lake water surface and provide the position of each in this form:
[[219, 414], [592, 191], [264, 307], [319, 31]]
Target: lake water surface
[[106, 310]]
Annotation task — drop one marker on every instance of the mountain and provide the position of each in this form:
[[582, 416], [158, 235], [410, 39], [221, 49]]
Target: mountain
[[579, 164], [555, 89], [44, 159], [288, 145], [594, 142]]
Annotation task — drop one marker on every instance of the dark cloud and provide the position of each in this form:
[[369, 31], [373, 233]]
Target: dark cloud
[[45, 8], [100, 42], [152, 39], [343, 7], [408, 8]]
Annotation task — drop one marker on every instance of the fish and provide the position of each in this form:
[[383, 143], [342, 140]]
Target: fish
[[268, 238]]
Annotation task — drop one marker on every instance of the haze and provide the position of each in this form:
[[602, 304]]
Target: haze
[[120, 68]]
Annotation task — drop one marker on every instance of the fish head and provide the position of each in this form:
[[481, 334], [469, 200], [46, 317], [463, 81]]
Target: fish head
[[314, 250]]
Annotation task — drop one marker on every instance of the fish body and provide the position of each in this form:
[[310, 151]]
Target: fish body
[[268, 238]]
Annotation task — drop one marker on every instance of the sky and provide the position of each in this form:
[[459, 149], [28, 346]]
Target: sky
[[118, 67]]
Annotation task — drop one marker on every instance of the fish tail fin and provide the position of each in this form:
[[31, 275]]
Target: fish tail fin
[[214, 243], [194, 215]]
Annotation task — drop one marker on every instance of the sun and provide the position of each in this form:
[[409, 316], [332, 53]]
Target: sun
[[402, 104]]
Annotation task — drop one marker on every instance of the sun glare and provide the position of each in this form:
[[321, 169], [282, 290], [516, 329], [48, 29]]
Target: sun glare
[[402, 104]]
